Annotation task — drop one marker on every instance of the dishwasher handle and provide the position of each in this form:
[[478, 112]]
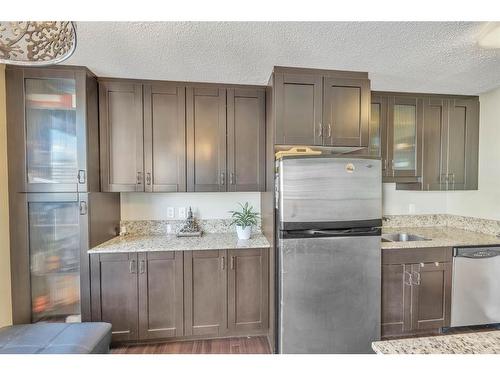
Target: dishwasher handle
[[476, 253]]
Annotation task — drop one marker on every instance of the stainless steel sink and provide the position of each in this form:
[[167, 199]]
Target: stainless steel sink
[[402, 237]]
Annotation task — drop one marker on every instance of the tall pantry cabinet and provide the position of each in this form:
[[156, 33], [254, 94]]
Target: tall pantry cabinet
[[56, 210]]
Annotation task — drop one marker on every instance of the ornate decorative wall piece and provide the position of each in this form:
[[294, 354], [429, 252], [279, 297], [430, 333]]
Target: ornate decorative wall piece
[[35, 43]]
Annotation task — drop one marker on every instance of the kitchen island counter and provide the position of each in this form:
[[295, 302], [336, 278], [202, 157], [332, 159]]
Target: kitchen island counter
[[467, 343], [209, 241]]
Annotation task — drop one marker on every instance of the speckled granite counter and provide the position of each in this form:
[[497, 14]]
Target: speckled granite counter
[[467, 343], [209, 241], [439, 236]]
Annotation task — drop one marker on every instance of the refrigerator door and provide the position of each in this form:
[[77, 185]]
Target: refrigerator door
[[329, 192], [329, 294]]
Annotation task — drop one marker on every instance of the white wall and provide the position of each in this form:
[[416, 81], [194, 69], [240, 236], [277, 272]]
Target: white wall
[[153, 206], [483, 203]]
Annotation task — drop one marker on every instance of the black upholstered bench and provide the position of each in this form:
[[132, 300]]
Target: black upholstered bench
[[56, 338]]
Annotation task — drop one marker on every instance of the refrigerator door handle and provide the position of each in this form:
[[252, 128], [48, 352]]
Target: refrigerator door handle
[[347, 231]]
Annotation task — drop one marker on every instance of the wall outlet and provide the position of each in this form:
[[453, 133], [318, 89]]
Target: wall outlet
[[182, 213], [170, 213]]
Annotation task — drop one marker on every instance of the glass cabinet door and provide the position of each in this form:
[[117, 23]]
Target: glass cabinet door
[[404, 139], [51, 133], [54, 246]]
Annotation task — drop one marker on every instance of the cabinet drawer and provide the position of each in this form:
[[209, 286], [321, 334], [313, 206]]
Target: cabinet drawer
[[416, 255]]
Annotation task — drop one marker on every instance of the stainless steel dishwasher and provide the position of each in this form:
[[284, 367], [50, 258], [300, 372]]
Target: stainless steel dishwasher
[[476, 286]]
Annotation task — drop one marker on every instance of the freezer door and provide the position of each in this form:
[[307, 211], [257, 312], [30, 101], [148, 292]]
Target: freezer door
[[329, 192], [329, 292]]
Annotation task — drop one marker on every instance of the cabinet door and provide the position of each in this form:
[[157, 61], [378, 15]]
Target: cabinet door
[[114, 293], [463, 145], [405, 119], [346, 111], [434, 140], [246, 126], [161, 297], [396, 299], [121, 131], [248, 283], [206, 139], [431, 305], [378, 129], [164, 138], [298, 109], [205, 286], [47, 129]]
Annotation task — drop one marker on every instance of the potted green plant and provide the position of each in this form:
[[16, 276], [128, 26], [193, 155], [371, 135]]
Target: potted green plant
[[244, 220]]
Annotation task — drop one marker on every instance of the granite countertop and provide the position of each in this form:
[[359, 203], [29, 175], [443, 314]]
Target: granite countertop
[[208, 241], [440, 236], [467, 343]]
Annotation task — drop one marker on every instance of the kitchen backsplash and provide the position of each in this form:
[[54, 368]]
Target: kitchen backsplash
[[161, 227], [474, 224]]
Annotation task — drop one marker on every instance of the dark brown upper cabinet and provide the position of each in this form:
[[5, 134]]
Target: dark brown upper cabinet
[[404, 137], [246, 126], [461, 152], [161, 300], [122, 136], [321, 107], [299, 105], [206, 139], [377, 145], [164, 137], [346, 111], [52, 127]]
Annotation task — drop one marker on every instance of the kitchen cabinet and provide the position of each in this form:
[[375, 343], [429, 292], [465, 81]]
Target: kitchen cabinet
[[206, 139], [160, 292], [52, 126], [299, 106], [246, 126], [377, 145], [205, 286], [416, 290], [346, 111], [321, 108], [164, 137], [121, 136], [114, 293], [248, 285]]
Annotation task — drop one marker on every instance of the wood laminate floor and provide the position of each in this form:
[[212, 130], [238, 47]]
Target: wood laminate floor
[[239, 345]]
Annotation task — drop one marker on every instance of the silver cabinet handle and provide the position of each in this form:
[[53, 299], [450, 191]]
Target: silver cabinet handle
[[132, 267], [329, 131], [139, 178], [81, 176], [385, 164], [83, 208], [142, 266], [223, 263], [409, 282], [417, 282], [320, 130], [231, 178], [222, 178], [148, 178], [232, 262]]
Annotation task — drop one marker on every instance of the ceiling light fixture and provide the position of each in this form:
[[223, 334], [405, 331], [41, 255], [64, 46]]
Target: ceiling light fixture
[[489, 37], [34, 43]]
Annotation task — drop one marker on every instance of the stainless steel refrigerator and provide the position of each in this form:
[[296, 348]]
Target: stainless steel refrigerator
[[329, 258]]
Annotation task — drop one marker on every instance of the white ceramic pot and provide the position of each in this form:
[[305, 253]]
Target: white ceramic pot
[[244, 232]]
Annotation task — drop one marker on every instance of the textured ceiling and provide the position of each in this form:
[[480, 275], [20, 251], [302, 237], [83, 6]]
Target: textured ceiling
[[441, 57]]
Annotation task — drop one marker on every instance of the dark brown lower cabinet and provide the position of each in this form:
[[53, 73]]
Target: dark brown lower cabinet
[[416, 290], [205, 292], [160, 295], [168, 295], [248, 290], [114, 293]]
